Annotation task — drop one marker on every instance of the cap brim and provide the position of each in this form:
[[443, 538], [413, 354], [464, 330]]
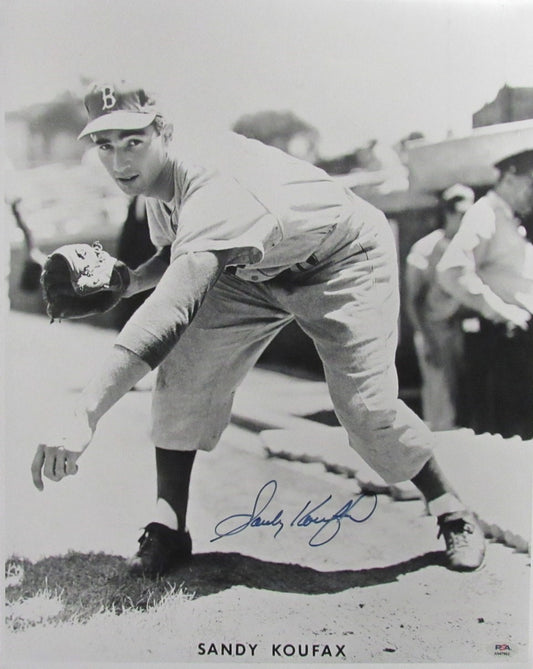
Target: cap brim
[[118, 120]]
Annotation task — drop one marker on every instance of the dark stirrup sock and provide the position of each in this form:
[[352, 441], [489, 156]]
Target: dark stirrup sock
[[431, 481], [173, 479]]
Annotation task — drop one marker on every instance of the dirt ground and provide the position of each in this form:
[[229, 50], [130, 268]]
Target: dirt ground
[[376, 593]]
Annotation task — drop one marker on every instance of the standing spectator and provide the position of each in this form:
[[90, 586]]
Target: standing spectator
[[435, 316], [488, 267]]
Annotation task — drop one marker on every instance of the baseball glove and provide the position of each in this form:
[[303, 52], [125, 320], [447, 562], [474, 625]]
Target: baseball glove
[[80, 280]]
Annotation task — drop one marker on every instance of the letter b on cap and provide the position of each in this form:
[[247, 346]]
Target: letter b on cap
[[108, 99]]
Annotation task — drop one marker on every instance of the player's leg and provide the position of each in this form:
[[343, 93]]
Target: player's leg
[[350, 309], [174, 470], [192, 403], [166, 542]]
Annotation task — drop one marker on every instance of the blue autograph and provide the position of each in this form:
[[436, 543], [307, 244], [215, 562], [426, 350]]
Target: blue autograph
[[310, 515]]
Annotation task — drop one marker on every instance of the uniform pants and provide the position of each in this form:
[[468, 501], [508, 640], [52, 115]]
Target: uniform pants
[[348, 303]]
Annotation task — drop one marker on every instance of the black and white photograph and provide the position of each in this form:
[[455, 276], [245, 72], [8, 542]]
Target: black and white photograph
[[267, 333]]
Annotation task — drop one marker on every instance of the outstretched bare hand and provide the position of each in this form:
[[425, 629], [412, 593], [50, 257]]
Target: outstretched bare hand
[[57, 456]]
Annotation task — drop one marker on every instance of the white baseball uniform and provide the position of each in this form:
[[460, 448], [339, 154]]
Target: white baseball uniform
[[302, 247]]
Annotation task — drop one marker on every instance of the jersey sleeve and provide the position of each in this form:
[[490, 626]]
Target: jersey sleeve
[[217, 213]]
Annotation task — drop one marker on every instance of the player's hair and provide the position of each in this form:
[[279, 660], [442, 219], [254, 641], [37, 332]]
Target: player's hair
[[159, 123]]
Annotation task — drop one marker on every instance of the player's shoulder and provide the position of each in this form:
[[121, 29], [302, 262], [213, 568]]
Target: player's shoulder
[[213, 146]]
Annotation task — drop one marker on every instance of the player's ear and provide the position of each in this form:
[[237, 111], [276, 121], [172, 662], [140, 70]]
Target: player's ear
[[168, 133]]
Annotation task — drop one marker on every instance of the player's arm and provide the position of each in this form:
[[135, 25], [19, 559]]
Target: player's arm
[[144, 342], [147, 275]]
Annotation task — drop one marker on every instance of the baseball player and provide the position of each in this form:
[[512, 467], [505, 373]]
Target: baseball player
[[248, 239], [488, 268]]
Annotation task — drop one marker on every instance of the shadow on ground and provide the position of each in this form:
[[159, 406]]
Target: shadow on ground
[[88, 583]]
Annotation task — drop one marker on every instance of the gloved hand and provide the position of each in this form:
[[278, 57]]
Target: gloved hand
[[80, 280]]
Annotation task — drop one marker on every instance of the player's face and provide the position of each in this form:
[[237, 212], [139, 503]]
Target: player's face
[[523, 193], [133, 158]]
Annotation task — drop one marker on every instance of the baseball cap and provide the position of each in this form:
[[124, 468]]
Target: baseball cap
[[461, 195], [118, 106], [519, 163]]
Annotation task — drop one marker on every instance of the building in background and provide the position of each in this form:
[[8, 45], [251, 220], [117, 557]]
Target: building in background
[[510, 104]]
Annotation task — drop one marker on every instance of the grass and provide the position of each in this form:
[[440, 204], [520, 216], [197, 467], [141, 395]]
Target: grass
[[76, 586]]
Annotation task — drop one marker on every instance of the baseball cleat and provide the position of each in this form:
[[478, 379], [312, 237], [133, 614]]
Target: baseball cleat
[[465, 542], [160, 550]]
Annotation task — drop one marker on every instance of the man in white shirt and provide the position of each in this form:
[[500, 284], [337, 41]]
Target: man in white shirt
[[488, 268]]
